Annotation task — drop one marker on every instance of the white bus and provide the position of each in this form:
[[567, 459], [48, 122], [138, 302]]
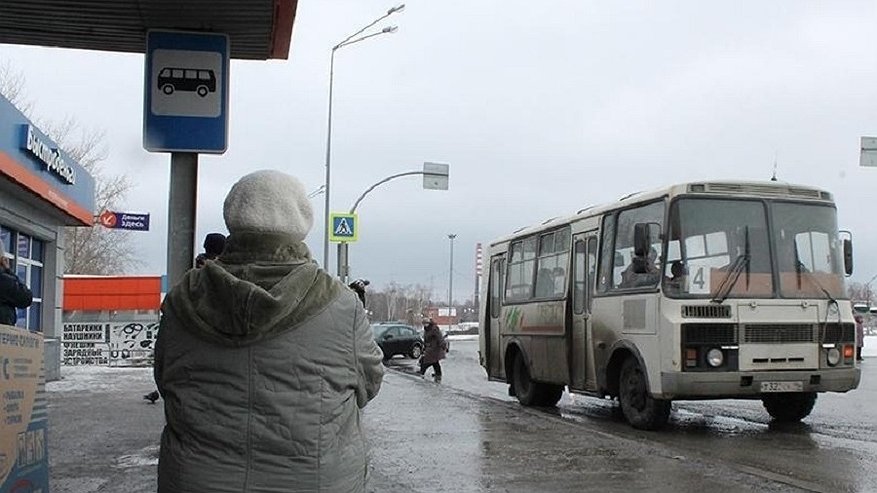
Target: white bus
[[706, 290]]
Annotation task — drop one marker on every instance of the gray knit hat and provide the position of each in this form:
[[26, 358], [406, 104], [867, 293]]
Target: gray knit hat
[[268, 201]]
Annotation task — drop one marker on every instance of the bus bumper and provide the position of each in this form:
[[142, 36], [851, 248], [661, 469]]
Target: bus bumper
[[716, 385]]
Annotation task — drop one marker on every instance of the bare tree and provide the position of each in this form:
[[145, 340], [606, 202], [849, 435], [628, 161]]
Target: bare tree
[[859, 292], [12, 87], [94, 250]]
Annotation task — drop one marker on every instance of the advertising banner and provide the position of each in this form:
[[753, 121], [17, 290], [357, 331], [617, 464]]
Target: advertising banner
[[24, 465]]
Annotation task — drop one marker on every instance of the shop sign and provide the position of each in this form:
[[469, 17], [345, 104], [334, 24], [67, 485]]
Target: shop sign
[[124, 220], [48, 155]]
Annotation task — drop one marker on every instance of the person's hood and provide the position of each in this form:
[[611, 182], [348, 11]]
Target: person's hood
[[261, 286]]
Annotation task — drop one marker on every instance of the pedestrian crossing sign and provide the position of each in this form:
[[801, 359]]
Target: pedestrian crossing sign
[[343, 227]]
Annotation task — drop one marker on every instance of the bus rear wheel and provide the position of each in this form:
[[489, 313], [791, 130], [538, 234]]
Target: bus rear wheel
[[789, 408], [641, 410], [530, 393]]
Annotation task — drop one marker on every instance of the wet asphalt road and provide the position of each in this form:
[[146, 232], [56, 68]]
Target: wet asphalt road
[[467, 435], [834, 449]]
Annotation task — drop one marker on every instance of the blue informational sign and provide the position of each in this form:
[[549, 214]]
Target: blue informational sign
[[124, 220], [31, 159], [343, 227], [186, 92]]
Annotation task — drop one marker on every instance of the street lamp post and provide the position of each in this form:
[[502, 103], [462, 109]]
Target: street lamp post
[[349, 40], [451, 280], [435, 177]]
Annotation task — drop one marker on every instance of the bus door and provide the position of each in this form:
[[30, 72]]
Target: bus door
[[496, 285], [584, 271]]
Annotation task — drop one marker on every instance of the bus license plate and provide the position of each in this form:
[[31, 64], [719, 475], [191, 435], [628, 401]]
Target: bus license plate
[[782, 386]]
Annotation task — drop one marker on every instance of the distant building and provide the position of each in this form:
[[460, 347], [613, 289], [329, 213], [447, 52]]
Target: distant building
[[441, 316]]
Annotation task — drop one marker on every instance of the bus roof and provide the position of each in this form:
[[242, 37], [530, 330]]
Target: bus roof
[[706, 188]]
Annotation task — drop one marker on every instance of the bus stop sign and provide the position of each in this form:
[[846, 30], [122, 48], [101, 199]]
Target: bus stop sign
[[186, 92]]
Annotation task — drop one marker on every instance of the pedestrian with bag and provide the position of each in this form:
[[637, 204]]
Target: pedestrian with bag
[[435, 349]]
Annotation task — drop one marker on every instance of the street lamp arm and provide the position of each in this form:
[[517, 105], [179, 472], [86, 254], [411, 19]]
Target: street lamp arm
[[376, 185], [379, 19], [362, 38]]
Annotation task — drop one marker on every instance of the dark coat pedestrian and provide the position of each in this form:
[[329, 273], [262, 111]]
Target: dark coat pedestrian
[[264, 360], [14, 294], [435, 349], [214, 244], [860, 335]]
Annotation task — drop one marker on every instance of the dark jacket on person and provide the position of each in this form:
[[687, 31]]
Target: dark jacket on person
[[264, 361], [434, 342], [13, 295]]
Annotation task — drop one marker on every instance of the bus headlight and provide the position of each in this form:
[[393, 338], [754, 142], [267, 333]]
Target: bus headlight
[[715, 357], [833, 356]]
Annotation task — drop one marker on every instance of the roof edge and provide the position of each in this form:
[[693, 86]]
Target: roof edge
[[281, 34]]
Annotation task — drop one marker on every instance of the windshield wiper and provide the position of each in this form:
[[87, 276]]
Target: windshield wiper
[[801, 268], [740, 263]]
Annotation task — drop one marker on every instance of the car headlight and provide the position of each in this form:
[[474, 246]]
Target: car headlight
[[715, 357], [833, 356]]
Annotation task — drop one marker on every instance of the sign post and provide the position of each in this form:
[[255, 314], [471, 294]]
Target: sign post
[[343, 229], [185, 113]]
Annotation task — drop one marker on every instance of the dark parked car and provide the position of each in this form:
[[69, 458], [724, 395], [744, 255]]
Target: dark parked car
[[396, 339]]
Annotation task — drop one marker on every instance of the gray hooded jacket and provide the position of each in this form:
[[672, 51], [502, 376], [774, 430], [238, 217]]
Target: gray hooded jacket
[[263, 361]]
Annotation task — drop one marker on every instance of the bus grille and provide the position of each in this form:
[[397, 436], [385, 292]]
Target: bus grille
[[778, 333], [834, 333], [695, 334], [706, 311]]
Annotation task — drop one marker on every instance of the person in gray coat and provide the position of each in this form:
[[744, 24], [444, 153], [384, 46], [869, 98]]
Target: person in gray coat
[[264, 360]]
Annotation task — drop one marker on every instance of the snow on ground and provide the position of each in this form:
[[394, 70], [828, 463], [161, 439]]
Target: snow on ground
[[100, 379], [870, 349]]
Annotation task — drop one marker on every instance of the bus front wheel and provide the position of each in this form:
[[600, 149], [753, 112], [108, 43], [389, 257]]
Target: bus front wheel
[[641, 410], [167, 89], [789, 408], [530, 393]]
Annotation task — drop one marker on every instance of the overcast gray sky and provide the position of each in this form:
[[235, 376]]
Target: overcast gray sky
[[540, 108]]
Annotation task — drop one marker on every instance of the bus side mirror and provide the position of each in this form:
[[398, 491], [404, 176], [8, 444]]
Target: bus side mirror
[[641, 239], [848, 256]]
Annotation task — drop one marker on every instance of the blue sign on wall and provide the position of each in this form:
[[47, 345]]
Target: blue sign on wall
[[186, 92], [34, 161]]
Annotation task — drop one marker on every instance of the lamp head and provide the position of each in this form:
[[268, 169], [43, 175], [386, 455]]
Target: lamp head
[[398, 8], [390, 29]]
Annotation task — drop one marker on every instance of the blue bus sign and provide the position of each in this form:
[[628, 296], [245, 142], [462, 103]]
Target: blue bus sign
[[186, 92]]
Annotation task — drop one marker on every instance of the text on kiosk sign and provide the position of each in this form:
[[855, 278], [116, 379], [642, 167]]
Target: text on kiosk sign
[[49, 156]]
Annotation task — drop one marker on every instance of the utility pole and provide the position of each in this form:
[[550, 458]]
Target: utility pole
[[451, 280]]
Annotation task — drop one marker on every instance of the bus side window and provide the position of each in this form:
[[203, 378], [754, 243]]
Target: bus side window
[[592, 270], [578, 300], [495, 286]]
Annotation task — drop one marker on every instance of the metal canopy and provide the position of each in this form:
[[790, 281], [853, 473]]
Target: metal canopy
[[258, 29]]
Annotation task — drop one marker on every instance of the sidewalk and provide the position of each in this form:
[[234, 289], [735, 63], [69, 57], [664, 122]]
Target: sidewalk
[[423, 437]]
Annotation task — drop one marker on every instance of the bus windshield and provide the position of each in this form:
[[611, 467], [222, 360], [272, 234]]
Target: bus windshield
[[709, 239], [809, 251], [721, 248]]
